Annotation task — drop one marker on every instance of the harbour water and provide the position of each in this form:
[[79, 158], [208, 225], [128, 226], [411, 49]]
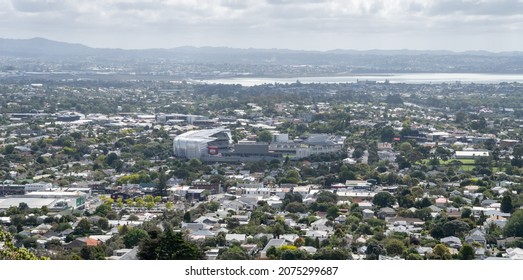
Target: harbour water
[[408, 78]]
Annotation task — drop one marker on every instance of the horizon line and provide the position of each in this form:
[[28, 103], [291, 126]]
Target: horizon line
[[267, 49]]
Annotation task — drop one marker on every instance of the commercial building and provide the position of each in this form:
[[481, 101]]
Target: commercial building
[[53, 200]]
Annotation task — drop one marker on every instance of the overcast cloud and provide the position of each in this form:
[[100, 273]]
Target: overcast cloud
[[495, 25]]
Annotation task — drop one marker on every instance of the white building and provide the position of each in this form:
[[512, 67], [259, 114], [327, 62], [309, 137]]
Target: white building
[[197, 143]]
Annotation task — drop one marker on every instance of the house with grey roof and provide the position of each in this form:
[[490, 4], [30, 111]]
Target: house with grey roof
[[452, 242], [276, 243], [231, 238], [367, 214], [386, 212], [476, 235]]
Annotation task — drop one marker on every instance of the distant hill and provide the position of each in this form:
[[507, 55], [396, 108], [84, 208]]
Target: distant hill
[[369, 60]]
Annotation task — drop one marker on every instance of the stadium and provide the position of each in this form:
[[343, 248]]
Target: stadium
[[199, 143]]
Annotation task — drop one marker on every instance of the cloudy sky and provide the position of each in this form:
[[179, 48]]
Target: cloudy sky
[[495, 25]]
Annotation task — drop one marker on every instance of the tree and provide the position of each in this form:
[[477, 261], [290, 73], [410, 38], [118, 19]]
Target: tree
[[514, 226], [11, 252], [187, 217], [133, 237], [103, 223], [23, 207], [455, 228], [326, 197], [111, 158], [332, 254], [233, 223], [264, 136], [103, 210], [332, 212], [83, 227], [93, 252], [296, 207], [384, 199], [466, 252], [234, 253], [506, 204], [374, 250], [168, 246], [278, 229], [9, 149], [394, 247], [387, 134], [441, 251], [466, 213], [161, 188]]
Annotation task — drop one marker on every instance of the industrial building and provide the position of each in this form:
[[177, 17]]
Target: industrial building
[[53, 200]]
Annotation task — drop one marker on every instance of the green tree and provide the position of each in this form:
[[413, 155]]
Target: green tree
[[384, 199], [103, 210], [387, 134], [93, 252], [374, 250], [133, 237], [103, 223], [394, 247], [264, 136], [111, 158], [168, 246], [466, 252], [332, 254], [278, 229], [455, 228], [234, 253], [11, 252], [466, 213], [296, 207], [9, 149], [326, 197], [83, 227], [514, 226], [441, 251], [332, 212], [187, 217], [506, 204]]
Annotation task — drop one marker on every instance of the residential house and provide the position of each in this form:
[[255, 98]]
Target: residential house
[[367, 214], [476, 235], [442, 202], [231, 238], [290, 238], [201, 234], [480, 253], [82, 242], [365, 205], [207, 220], [501, 243], [195, 226], [515, 253], [321, 225], [249, 202], [212, 254], [487, 202], [424, 250], [321, 234], [451, 241], [276, 243], [303, 190], [386, 212], [309, 249]]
